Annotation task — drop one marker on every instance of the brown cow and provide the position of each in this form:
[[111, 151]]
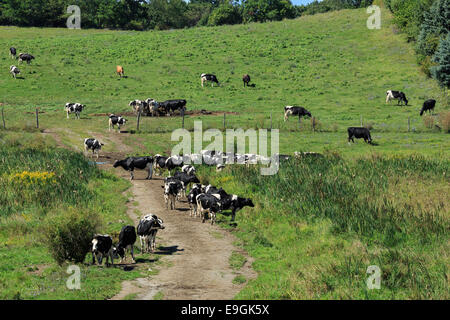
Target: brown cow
[[119, 70]]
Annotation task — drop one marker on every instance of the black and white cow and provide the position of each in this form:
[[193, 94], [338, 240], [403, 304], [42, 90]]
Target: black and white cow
[[229, 201], [246, 79], [159, 163], [396, 95], [186, 179], [235, 203], [102, 246], [205, 77], [428, 106], [25, 57], [170, 106], [12, 52], [172, 188], [295, 111], [127, 238], [196, 189], [358, 133], [189, 169], [116, 120], [14, 71], [147, 228], [92, 144], [74, 108], [137, 105], [132, 163], [208, 204]]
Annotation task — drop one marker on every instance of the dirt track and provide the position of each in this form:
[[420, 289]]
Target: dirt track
[[196, 255]]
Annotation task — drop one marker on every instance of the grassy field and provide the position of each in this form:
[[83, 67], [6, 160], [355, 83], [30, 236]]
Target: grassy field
[[331, 64], [317, 226]]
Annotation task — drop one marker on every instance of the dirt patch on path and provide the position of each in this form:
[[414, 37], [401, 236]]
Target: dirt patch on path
[[197, 253]]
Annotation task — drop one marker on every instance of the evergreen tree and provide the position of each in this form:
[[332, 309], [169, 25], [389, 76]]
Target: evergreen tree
[[436, 24], [441, 72]]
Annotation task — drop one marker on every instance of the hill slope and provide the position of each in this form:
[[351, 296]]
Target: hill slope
[[329, 63]]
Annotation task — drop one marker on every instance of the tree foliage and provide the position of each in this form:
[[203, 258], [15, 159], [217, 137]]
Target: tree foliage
[[441, 71]]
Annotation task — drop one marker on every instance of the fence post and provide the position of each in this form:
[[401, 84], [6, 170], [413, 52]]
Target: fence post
[[409, 124], [182, 114], [224, 121], [37, 118], [138, 120], [313, 119], [361, 119], [271, 121], [3, 118]]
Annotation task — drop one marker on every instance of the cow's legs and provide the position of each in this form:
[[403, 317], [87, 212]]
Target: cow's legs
[[150, 171], [131, 175], [132, 253], [141, 240]]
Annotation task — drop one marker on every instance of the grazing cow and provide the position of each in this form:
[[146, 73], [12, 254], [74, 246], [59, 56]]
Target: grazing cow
[[127, 238], [25, 57], [132, 163], [147, 228], [92, 144], [189, 169], [428, 106], [119, 71], [102, 246], [116, 120], [74, 108], [205, 77], [170, 106], [12, 52], [208, 204], [246, 79], [172, 187], [358, 133], [14, 71], [192, 196], [235, 203], [295, 111], [398, 95]]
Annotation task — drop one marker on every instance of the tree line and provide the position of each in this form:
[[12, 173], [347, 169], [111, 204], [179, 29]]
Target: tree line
[[160, 14], [427, 23]]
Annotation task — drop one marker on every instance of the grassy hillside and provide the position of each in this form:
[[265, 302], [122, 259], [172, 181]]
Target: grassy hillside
[[330, 63]]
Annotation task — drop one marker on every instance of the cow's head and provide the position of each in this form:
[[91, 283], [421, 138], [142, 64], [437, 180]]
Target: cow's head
[[117, 163]]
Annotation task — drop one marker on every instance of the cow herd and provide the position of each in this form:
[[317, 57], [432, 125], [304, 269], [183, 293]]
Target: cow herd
[[205, 201]]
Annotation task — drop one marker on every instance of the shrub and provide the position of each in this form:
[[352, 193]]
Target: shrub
[[445, 121], [68, 233], [428, 121]]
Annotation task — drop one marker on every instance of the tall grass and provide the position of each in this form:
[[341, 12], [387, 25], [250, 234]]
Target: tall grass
[[320, 222]]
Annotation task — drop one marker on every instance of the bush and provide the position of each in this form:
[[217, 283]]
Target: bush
[[428, 121], [68, 234], [445, 121]]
